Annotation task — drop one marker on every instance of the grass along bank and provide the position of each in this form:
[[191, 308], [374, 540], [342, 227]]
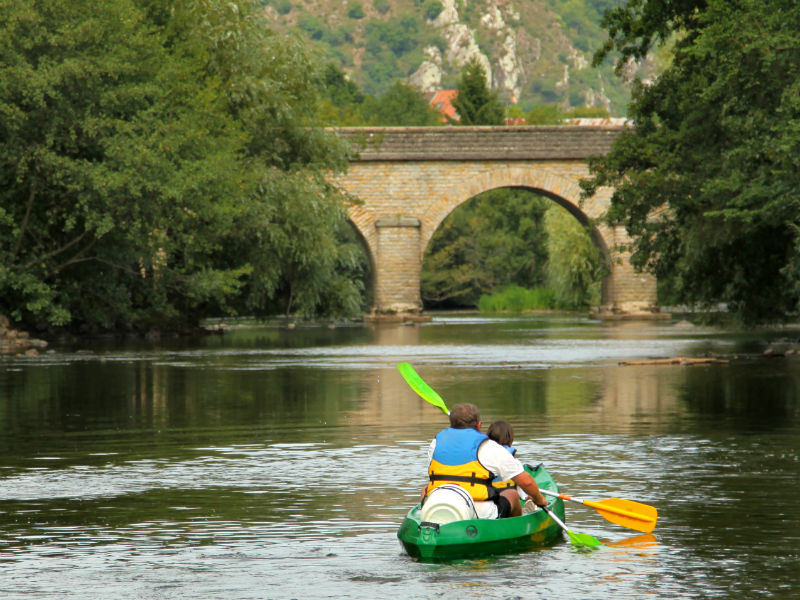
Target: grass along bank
[[515, 298]]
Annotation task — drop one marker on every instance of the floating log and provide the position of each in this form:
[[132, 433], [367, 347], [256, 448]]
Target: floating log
[[678, 360]]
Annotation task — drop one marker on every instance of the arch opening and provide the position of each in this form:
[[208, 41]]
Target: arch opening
[[513, 246]]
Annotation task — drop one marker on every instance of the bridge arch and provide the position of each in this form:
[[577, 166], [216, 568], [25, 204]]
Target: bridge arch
[[408, 179], [562, 191]]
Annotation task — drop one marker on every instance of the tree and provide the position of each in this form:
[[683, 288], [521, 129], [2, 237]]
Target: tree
[[476, 103], [343, 103], [497, 238], [401, 104], [575, 267], [707, 180], [147, 147]]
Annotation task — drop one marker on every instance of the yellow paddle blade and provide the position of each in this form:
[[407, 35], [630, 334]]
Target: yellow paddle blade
[[634, 515]]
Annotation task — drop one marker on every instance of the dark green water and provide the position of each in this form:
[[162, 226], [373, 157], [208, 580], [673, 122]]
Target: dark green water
[[276, 463]]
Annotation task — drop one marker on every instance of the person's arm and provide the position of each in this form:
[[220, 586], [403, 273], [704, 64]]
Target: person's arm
[[499, 461], [528, 483]]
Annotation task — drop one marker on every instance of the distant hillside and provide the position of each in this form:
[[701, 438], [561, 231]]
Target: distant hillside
[[534, 51]]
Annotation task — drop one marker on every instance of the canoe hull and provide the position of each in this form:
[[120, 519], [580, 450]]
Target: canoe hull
[[483, 537]]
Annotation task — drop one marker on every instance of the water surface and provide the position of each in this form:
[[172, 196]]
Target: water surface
[[277, 463]]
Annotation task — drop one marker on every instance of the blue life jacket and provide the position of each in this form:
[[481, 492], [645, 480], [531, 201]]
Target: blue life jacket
[[455, 460]]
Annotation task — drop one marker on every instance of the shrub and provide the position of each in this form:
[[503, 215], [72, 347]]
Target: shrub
[[515, 298], [283, 6], [355, 11], [433, 9], [312, 25], [382, 6]]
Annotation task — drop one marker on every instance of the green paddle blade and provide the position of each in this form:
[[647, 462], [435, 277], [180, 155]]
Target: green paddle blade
[[417, 384], [583, 539]]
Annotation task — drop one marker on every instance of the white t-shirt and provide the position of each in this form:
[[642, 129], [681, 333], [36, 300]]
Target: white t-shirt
[[499, 461]]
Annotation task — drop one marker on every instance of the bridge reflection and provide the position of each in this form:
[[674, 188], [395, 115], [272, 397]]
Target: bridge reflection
[[575, 398]]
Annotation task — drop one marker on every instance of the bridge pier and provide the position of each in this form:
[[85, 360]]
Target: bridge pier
[[397, 265], [627, 294]]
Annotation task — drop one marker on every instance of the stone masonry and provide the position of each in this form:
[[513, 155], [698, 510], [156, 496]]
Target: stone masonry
[[410, 178]]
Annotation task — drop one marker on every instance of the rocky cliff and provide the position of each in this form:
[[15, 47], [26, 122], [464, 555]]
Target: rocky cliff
[[531, 54]]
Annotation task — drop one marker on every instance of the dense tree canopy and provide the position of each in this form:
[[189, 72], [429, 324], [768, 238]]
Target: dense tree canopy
[[495, 239], [475, 103], [157, 166], [707, 180], [510, 237], [344, 104]]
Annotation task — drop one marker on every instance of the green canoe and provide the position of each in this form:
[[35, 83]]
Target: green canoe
[[482, 537]]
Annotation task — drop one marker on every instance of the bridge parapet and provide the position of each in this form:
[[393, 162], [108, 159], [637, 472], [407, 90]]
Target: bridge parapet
[[557, 142]]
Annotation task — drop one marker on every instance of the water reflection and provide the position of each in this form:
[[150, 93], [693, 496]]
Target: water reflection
[[286, 459]]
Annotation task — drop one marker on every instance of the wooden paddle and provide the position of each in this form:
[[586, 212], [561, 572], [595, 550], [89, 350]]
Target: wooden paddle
[[577, 539], [425, 391], [634, 515]]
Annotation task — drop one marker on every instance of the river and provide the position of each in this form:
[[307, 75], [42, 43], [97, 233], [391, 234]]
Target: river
[[270, 462]]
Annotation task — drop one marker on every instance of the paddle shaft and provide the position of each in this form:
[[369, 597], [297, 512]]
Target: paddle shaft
[[555, 518]]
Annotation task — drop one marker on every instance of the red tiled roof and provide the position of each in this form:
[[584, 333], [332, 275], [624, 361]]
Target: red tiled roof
[[442, 101]]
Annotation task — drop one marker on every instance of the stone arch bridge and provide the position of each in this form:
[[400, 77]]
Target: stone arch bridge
[[410, 178]]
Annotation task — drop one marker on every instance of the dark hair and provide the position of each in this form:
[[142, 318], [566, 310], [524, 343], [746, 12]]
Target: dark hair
[[501, 432], [464, 416]]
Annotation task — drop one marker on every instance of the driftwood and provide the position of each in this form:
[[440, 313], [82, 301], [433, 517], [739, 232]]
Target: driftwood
[[678, 360]]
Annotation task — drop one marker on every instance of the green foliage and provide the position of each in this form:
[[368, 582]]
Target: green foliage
[[575, 266], [402, 104], [706, 182], [544, 114], [338, 88], [344, 104], [433, 8], [495, 239], [553, 114], [399, 35], [515, 111], [313, 25], [153, 154], [338, 36], [393, 50], [499, 250], [586, 112], [382, 6], [515, 298], [476, 103], [383, 49], [639, 25], [355, 10], [582, 20], [284, 7]]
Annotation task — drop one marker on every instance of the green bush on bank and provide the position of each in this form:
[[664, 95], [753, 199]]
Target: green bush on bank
[[515, 298]]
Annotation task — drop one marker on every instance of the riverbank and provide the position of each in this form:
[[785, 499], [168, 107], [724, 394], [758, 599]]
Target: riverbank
[[18, 342]]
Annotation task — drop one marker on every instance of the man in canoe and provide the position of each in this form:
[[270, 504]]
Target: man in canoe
[[464, 456]]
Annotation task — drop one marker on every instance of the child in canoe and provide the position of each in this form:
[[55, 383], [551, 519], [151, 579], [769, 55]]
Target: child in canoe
[[502, 433]]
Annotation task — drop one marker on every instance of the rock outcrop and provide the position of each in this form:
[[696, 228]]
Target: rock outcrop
[[15, 341]]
